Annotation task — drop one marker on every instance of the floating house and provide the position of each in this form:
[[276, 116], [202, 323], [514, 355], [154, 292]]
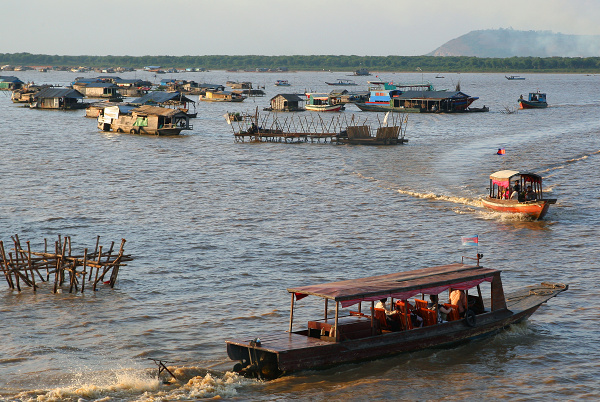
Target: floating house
[[9, 83], [221, 96], [58, 98], [102, 90], [153, 120], [174, 100], [286, 103]]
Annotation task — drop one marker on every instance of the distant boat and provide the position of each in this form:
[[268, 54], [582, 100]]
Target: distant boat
[[282, 83], [513, 77], [439, 76], [536, 100], [341, 82]]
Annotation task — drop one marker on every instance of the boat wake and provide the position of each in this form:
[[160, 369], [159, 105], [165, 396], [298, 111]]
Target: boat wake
[[564, 164], [193, 383]]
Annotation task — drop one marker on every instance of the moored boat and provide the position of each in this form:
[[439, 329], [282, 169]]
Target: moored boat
[[351, 336], [508, 194], [322, 103], [342, 82], [535, 100], [391, 98], [282, 83], [513, 77]]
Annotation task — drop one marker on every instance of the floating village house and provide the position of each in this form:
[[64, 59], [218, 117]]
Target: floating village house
[[58, 98], [286, 103], [145, 119], [9, 83], [96, 88], [174, 100]]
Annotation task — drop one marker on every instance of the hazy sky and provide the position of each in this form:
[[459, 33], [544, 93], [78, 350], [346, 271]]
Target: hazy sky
[[273, 27]]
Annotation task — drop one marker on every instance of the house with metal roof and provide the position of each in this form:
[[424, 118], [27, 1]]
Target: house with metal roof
[[164, 99], [10, 83], [286, 103], [58, 98], [102, 90]]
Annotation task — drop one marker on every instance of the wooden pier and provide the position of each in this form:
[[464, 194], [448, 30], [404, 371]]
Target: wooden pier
[[23, 267], [336, 129]]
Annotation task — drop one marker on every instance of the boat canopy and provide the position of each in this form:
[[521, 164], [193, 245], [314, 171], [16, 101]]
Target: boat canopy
[[503, 177], [401, 285]]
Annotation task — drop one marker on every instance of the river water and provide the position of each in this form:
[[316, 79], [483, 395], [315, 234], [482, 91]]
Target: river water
[[218, 231]]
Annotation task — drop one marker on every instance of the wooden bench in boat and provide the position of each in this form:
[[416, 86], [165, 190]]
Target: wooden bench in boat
[[349, 327]]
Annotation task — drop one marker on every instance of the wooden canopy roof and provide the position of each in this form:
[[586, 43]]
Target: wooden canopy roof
[[400, 285]]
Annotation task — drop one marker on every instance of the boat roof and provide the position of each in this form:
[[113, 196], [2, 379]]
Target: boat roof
[[400, 285], [156, 110], [507, 174]]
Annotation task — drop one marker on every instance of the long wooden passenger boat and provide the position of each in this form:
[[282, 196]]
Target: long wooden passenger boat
[[502, 198], [349, 336]]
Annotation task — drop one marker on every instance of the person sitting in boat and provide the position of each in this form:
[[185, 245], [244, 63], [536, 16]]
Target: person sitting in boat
[[517, 186], [459, 298], [530, 194], [442, 311], [391, 316]]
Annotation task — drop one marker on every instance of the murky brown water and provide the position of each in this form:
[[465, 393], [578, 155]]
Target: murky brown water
[[220, 229]]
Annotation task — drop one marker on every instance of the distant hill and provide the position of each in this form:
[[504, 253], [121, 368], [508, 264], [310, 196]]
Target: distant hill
[[510, 42]]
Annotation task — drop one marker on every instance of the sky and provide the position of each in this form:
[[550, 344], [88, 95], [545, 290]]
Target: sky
[[273, 27]]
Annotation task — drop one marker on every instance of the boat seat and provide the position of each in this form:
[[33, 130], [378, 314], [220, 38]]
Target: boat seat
[[420, 303], [428, 317], [381, 317], [453, 314], [404, 319]]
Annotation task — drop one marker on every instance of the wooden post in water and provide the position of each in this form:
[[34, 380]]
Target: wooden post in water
[[291, 313]]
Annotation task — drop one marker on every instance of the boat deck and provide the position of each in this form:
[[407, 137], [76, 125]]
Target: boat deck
[[283, 342], [530, 296]]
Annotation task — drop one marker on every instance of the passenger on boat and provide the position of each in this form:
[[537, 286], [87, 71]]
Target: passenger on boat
[[514, 195], [459, 298], [530, 195], [442, 311], [517, 186], [391, 316]]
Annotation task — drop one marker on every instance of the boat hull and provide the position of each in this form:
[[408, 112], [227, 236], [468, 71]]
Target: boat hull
[[366, 107], [324, 108], [283, 353], [533, 209]]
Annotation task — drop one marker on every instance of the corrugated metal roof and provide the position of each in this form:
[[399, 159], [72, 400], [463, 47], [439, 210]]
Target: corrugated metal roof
[[156, 110], [9, 78], [160, 97], [289, 97], [59, 93], [431, 95]]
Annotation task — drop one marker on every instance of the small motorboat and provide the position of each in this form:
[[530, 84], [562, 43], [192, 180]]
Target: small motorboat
[[535, 100], [509, 193], [282, 83], [513, 77], [343, 83]]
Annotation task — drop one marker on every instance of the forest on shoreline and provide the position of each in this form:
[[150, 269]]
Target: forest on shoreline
[[319, 62]]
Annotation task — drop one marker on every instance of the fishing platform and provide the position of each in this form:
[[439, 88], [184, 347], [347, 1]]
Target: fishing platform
[[339, 129]]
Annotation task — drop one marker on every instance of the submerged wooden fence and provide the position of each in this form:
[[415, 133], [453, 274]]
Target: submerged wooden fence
[[25, 268]]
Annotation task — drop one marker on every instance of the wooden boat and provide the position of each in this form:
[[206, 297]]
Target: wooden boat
[[282, 83], [153, 120], [342, 82], [418, 101], [535, 100], [322, 103], [513, 77], [502, 199], [350, 336]]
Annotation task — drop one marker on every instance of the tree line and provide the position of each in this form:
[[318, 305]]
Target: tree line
[[318, 62]]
